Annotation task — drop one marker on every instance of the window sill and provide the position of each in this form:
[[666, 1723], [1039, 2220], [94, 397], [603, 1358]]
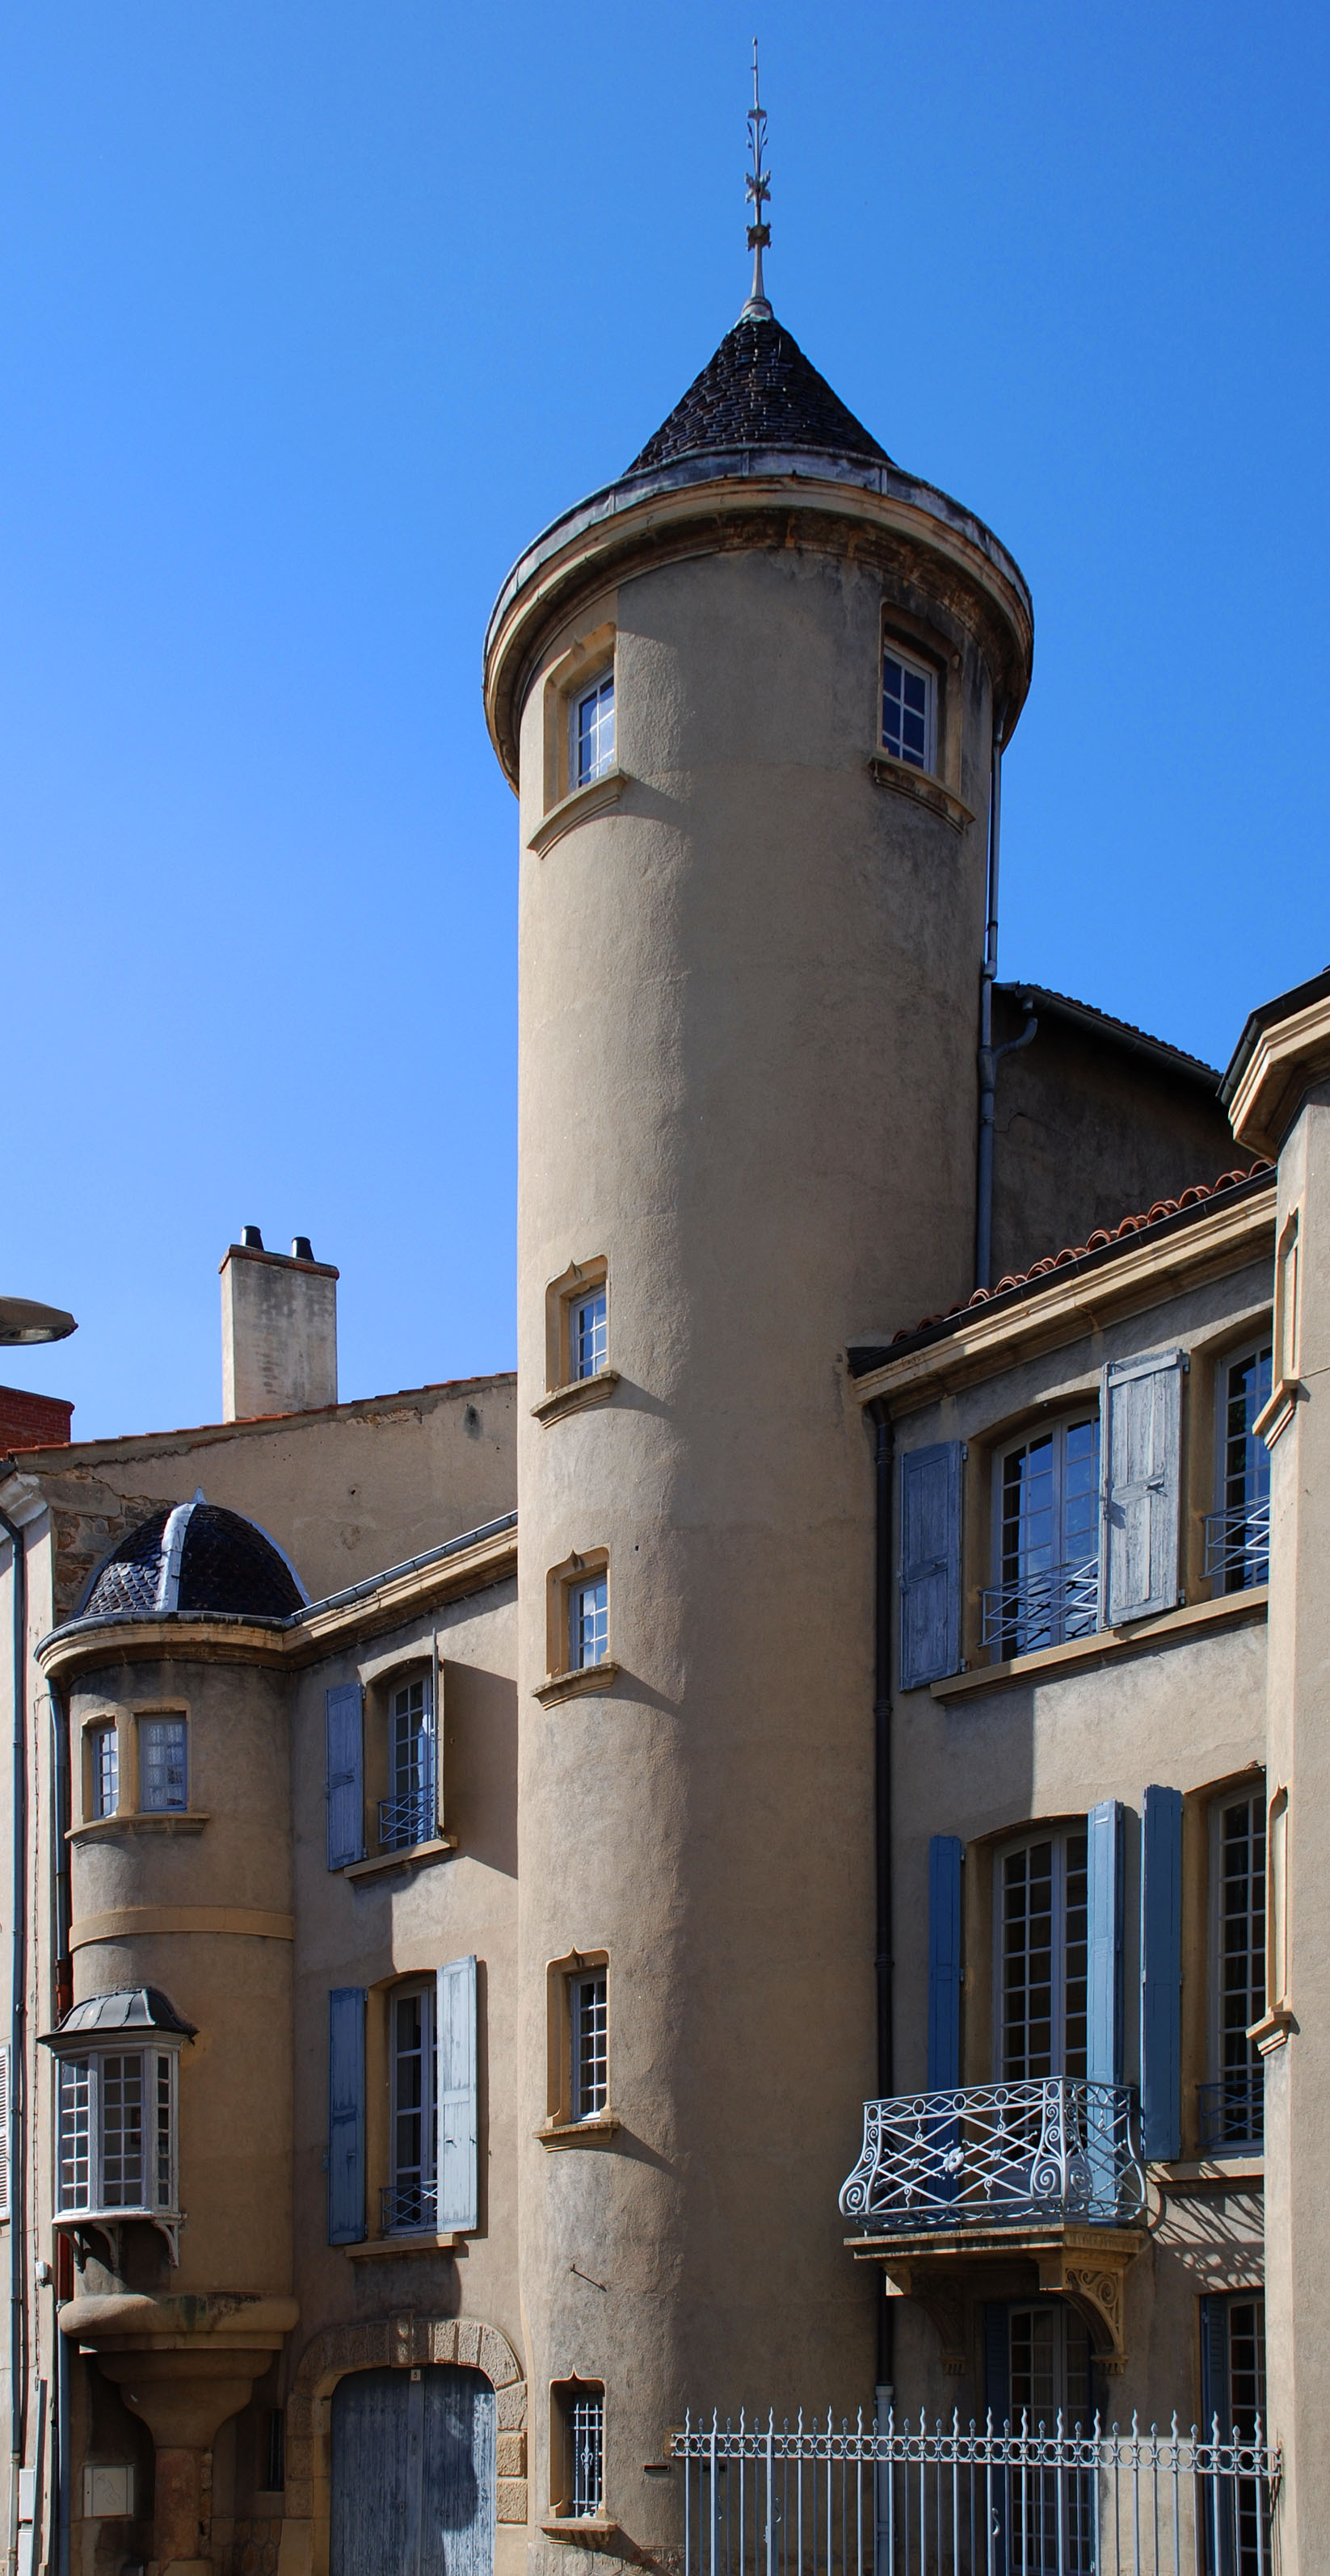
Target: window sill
[[156, 1820], [591, 1677], [1244, 2165], [1272, 2030], [578, 808], [578, 2133], [1232, 1608], [574, 1398], [585, 2531], [414, 1857], [382, 2249], [919, 784]]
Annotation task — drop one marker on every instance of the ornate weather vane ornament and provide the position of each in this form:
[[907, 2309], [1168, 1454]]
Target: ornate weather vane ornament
[[758, 187]]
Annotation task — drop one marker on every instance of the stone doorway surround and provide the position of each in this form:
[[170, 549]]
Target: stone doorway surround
[[401, 2342]]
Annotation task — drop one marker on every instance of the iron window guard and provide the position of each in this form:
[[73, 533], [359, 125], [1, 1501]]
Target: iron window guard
[[407, 1820], [408, 2207], [1233, 2109], [1042, 1608], [1237, 1545]]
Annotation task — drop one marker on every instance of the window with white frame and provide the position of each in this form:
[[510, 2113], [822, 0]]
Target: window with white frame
[[1042, 1894], [588, 1622], [117, 2059], [580, 2405], [909, 694], [408, 1815], [592, 747], [1237, 1532], [1233, 2100], [589, 2026], [163, 1765], [104, 1769], [1046, 1539], [588, 1334], [411, 2198]]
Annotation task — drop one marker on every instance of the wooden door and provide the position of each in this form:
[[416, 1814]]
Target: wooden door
[[413, 2473]]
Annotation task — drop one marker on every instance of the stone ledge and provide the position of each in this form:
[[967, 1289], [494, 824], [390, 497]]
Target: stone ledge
[[414, 1857], [921, 786], [594, 798], [591, 1677], [575, 1397]]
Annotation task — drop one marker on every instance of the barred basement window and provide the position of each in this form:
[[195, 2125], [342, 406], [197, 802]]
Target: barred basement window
[[578, 2449], [588, 2014]]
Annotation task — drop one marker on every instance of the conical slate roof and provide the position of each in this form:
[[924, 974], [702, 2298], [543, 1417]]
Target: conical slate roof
[[759, 390], [191, 1560]]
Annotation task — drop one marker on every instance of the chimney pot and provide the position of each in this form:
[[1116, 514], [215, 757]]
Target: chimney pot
[[301, 1248], [252, 1237]]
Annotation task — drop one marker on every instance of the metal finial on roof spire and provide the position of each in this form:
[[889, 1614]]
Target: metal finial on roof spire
[[758, 188]]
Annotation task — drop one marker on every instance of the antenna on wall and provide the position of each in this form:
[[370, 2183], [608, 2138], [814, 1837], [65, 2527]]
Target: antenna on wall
[[757, 189]]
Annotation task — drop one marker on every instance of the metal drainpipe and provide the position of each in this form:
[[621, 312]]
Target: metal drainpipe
[[60, 2286], [18, 2395], [989, 1055], [882, 1467]]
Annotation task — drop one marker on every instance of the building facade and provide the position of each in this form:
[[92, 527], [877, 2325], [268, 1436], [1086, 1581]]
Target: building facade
[[839, 1931]]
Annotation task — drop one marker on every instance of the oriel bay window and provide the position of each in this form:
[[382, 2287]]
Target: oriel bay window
[[116, 2074]]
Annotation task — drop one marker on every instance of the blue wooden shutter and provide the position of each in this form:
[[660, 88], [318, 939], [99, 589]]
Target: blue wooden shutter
[[1140, 1486], [945, 1857], [346, 2115], [456, 2079], [1103, 2037], [930, 1563], [1161, 1972], [345, 1788]]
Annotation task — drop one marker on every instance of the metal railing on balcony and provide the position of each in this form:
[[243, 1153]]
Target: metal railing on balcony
[[938, 2499], [1233, 2110], [1237, 1546], [1053, 2148], [407, 1820], [1042, 1608], [407, 2207]]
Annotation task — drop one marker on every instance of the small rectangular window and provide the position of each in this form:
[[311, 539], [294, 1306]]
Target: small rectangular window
[[588, 1334], [408, 1815], [1233, 2101], [593, 730], [588, 2014], [580, 2435], [588, 1623], [908, 694], [411, 2200], [163, 1771], [105, 1758]]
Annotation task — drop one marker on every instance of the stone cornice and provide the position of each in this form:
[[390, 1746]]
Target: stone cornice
[[1285, 1060]]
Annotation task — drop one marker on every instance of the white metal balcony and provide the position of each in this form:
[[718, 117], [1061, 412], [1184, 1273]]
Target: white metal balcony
[[1053, 2149]]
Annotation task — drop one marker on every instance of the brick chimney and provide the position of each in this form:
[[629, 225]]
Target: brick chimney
[[279, 1329], [32, 1421]]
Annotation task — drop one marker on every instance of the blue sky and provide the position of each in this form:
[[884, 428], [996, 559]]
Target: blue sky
[[313, 314]]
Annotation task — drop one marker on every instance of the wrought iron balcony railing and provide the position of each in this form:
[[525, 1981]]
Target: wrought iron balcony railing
[[1233, 2110], [405, 2207], [1237, 1546], [407, 1820], [1042, 1608], [1053, 2148]]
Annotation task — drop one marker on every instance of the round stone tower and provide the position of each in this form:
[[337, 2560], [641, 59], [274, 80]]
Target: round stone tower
[[747, 697]]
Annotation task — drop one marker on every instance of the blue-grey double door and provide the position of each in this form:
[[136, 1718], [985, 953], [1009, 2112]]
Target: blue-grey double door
[[413, 2473]]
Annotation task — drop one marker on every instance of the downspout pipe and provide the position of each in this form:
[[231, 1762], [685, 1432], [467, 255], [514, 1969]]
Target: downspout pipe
[[18, 2394], [989, 1055], [883, 1964], [62, 2283]]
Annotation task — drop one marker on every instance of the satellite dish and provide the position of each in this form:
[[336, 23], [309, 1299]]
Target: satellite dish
[[22, 1320]]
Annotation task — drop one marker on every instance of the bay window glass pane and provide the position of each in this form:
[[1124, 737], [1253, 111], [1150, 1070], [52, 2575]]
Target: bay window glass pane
[[122, 2132], [163, 1782], [75, 2136]]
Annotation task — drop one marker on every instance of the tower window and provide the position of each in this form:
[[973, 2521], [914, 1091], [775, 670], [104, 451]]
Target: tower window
[[588, 1334], [908, 710], [163, 1765], [588, 2014], [588, 1623], [593, 730], [104, 1757]]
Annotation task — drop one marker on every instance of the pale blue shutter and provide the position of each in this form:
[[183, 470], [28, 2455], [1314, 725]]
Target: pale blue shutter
[[1161, 1973], [344, 1790], [945, 1857], [456, 2079], [1140, 1453], [1103, 2037], [930, 1563], [346, 2115]]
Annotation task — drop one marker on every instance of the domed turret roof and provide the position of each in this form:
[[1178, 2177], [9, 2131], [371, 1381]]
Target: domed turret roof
[[759, 390], [193, 1559]]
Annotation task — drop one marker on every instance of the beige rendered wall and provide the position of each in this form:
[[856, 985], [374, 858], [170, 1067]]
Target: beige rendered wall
[[747, 1079]]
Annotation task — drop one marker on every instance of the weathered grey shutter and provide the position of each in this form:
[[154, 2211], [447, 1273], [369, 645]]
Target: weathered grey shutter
[[1161, 1973], [946, 1855], [345, 1789], [456, 2079], [1140, 1459], [1103, 2035], [346, 2115], [930, 1563]]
